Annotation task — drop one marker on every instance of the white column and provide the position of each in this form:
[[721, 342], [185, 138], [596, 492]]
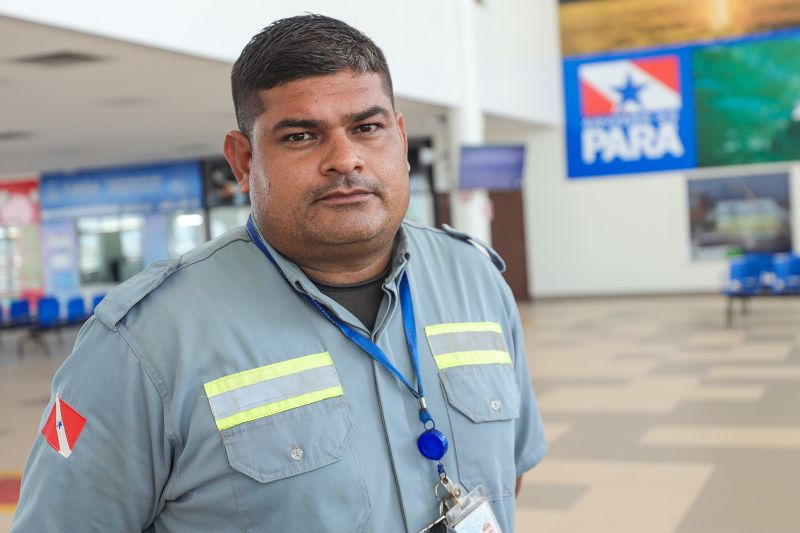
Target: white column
[[471, 210]]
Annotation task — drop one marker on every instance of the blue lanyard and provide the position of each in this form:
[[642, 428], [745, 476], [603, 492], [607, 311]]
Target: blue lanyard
[[366, 343]]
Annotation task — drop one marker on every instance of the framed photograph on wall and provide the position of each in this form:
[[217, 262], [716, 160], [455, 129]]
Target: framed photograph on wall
[[739, 214]]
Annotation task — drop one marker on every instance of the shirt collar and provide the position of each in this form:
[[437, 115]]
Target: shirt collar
[[400, 256]]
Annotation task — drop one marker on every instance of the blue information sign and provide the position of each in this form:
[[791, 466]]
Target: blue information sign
[[147, 189], [491, 167], [629, 113]]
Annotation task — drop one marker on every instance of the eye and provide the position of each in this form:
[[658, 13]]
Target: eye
[[298, 137], [368, 128]]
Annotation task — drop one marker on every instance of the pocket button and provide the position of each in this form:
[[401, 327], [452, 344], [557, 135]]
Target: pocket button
[[297, 453], [495, 405]]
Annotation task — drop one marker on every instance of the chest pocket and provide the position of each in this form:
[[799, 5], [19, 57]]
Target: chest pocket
[[287, 433], [478, 380]]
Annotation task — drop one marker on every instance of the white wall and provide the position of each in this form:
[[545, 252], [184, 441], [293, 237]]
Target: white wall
[[611, 235], [518, 60]]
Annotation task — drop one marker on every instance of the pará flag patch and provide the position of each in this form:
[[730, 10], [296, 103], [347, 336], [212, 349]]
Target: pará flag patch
[[63, 427]]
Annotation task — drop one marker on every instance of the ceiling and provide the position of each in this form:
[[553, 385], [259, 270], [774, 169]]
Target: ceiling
[[70, 100]]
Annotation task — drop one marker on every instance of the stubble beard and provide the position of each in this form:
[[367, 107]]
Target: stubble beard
[[348, 224], [318, 234]]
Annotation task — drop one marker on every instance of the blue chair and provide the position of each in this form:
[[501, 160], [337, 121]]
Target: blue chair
[[48, 314], [744, 278], [19, 313], [765, 266], [48, 318], [787, 274], [76, 310], [96, 300], [744, 282]]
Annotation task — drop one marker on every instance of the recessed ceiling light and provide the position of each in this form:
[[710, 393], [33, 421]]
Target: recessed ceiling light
[[64, 151], [125, 101], [15, 135], [58, 59]]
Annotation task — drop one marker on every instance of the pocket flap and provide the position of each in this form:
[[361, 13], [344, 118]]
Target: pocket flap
[[291, 442], [282, 419], [482, 393], [475, 369]]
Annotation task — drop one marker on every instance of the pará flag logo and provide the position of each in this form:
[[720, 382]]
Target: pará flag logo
[[63, 427], [630, 85], [629, 114]]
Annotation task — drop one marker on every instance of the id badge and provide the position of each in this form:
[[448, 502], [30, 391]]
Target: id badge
[[473, 514]]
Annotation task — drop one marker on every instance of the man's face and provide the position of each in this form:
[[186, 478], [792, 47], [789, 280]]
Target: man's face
[[329, 163]]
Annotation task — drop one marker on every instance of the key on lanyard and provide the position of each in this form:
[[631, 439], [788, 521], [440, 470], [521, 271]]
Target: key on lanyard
[[448, 495]]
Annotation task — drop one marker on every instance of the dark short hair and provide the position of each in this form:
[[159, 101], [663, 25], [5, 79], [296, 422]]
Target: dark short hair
[[299, 47]]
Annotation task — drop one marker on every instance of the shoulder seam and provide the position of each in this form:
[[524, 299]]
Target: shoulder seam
[[127, 336], [177, 266], [182, 265]]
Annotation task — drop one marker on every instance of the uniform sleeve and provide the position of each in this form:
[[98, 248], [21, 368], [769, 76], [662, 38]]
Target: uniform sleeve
[[531, 444], [115, 475]]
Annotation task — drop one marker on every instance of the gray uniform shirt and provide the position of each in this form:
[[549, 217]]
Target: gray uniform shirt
[[217, 399]]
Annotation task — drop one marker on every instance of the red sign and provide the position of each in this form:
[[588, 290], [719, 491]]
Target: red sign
[[19, 202]]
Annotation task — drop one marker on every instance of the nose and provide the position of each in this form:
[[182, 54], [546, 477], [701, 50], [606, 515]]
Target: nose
[[341, 157]]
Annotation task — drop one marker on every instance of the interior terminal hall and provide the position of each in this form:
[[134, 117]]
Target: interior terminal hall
[[636, 164]]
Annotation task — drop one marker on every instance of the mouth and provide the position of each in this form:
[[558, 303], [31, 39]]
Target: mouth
[[345, 196]]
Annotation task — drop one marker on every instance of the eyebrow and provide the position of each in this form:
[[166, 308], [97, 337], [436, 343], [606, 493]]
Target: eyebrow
[[311, 124], [300, 123], [368, 113]]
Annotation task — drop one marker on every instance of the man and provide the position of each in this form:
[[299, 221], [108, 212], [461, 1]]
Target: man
[[247, 386]]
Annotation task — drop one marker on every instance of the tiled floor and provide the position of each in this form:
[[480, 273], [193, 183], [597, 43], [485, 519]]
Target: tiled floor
[[660, 419], [663, 420]]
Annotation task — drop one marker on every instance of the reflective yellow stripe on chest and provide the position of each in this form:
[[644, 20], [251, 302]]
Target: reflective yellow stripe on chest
[[272, 389], [467, 343]]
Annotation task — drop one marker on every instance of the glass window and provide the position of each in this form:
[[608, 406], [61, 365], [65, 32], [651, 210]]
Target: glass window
[[421, 204], [225, 218], [10, 262], [109, 248], [186, 231]]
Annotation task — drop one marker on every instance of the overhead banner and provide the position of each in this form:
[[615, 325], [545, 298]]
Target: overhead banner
[[143, 189], [592, 26], [629, 113]]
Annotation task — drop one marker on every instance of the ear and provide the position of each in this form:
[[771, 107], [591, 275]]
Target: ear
[[401, 125], [239, 155]]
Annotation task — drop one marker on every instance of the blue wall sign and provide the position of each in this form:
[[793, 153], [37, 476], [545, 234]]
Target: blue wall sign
[[629, 113], [491, 167], [143, 189]]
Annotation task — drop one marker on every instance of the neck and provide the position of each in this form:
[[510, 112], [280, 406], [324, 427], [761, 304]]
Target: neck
[[337, 263], [347, 271]]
